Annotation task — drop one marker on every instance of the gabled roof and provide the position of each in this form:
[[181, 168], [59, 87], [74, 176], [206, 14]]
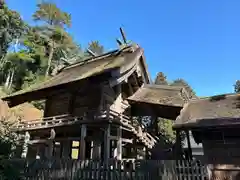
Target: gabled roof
[[122, 59], [221, 110], [162, 100], [161, 95]]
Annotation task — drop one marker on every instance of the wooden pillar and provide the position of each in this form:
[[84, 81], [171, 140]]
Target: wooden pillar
[[66, 146], [50, 148], [119, 143], [38, 149], [178, 148], [38, 152], [25, 145], [96, 149], [134, 148], [82, 142], [107, 142], [147, 154], [144, 152], [189, 145]]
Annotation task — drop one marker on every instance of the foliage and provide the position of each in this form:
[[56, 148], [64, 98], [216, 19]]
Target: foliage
[[38, 50], [161, 79], [52, 15], [237, 86], [55, 36], [182, 82], [11, 27], [165, 129], [8, 141], [96, 47], [14, 67]]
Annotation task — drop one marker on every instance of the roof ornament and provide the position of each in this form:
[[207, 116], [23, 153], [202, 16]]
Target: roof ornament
[[124, 42], [91, 52]]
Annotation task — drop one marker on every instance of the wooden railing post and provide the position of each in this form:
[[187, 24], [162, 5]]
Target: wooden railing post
[[25, 145]]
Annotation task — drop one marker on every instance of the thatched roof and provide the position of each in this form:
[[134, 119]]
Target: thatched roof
[[122, 59], [160, 99], [222, 110], [24, 112]]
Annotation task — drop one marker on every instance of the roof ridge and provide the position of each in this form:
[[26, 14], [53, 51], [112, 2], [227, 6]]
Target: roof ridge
[[92, 59], [218, 95], [168, 87]]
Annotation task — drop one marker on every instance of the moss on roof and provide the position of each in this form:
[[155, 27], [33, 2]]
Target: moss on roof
[[210, 111]]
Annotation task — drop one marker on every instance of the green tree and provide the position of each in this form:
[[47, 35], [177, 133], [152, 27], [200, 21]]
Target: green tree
[[49, 13], [237, 86], [161, 79], [57, 20], [11, 27], [64, 46], [13, 68], [8, 142], [96, 47], [182, 82]]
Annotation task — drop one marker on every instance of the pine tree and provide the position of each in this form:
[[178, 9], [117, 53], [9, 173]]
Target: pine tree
[[237, 86], [161, 79]]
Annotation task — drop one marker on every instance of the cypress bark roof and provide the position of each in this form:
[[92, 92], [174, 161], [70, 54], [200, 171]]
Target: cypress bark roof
[[161, 95], [221, 110], [161, 100], [123, 59]]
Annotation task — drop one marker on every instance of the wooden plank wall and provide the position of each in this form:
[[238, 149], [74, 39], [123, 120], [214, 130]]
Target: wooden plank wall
[[75, 103], [87, 101], [57, 104]]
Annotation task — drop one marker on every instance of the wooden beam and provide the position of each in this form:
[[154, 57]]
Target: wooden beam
[[92, 53], [107, 142], [123, 35], [39, 141], [119, 42], [189, 144], [82, 142], [136, 79], [123, 139], [114, 81], [130, 88], [119, 143]]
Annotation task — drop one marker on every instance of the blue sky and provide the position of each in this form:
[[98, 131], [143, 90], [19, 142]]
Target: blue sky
[[197, 40]]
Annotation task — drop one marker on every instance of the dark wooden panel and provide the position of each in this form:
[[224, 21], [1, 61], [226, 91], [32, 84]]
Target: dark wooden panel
[[222, 151]]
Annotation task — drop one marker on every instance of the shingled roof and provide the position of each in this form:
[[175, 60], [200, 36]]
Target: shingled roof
[[221, 110], [158, 97], [123, 59]]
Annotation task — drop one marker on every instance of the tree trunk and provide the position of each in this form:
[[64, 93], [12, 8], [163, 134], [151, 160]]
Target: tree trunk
[[11, 79], [6, 85], [50, 59]]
